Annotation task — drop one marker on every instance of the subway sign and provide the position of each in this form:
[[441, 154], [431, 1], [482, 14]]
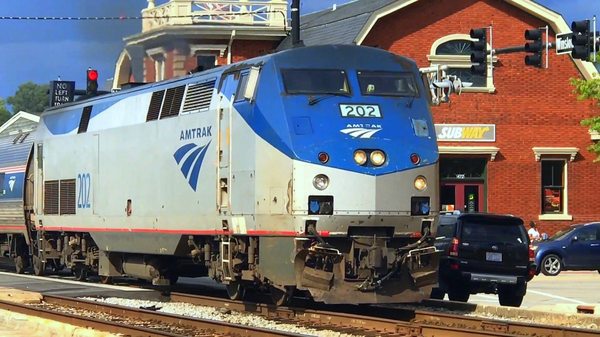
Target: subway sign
[[465, 132]]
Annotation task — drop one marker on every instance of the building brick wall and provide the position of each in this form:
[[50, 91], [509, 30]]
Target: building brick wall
[[531, 107]]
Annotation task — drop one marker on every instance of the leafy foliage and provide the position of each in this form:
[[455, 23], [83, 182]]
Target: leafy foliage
[[4, 113], [590, 90], [30, 97]]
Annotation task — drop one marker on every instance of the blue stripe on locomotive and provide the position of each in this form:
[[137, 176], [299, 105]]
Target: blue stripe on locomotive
[[301, 130]]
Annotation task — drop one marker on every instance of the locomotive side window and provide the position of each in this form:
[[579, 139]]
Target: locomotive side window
[[239, 93], [315, 81], [2, 191], [379, 83]]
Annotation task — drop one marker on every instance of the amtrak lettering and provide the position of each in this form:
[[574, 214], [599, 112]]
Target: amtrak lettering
[[361, 130], [201, 132], [466, 132]]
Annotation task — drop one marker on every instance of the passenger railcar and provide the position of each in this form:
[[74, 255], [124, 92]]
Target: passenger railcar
[[314, 169]]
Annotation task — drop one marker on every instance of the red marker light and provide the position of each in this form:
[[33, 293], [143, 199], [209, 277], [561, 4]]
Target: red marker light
[[92, 74], [323, 157]]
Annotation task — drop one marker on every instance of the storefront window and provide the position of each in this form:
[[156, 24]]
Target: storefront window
[[552, 186]]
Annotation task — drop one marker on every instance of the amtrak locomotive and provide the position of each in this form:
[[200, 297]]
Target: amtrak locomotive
[[311, 170]]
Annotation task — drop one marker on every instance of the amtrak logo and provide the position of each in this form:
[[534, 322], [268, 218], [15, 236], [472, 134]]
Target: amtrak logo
[[361, 130], [189, 157]]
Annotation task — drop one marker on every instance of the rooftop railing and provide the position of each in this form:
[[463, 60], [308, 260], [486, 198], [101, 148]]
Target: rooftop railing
[[271, 14]]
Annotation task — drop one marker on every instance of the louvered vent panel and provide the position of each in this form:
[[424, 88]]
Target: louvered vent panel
[[85, 119], [198, 96], [67, 196], [51, 197], [155, 104], [172, 102]]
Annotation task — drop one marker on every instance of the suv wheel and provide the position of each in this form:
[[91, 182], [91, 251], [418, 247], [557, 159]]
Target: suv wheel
[[511, 295], [459, 295], [551, 265]]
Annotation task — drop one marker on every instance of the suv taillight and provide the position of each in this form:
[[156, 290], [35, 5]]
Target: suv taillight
[[532, 269], [531, 255], [454, 247]]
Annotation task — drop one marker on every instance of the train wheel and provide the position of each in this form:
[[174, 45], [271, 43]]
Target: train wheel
[[19, 264], [106, 279], [281, 297], [39, 266], [235, 290]]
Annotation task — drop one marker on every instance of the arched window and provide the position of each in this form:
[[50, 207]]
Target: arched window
[[454, 51]]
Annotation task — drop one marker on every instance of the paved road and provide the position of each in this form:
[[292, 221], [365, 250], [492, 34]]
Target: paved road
[[569, 288]]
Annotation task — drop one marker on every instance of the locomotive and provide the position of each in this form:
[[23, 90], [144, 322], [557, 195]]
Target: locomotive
[[310, 170]]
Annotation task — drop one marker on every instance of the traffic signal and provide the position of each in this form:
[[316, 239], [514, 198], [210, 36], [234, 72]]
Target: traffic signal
[[479, 51], [534, 46], [92, 82], [581, 39]]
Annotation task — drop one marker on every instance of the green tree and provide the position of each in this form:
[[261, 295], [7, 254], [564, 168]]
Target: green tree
[[30, 97], [4, 113], [590, 90]]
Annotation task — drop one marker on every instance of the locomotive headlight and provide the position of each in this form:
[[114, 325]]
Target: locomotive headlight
[[420, 183], [321, 181], [360, 157], [377, 157]]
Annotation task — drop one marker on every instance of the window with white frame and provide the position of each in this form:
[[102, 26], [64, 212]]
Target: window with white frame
[[553, 186], [159, 69], [554, 196], [454, 51]]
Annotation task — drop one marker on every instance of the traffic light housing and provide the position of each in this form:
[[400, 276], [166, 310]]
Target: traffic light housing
[[479, 51], [534, 46], [581, 39], [92, 82]]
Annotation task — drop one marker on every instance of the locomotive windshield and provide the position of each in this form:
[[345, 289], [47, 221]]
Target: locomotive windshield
[[315, 81], [377, 83]]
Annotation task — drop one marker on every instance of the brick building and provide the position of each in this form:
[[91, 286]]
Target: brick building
[[183, 36], [512, 142]]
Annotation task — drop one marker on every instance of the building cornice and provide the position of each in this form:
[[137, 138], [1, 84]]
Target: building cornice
[[206, 32]]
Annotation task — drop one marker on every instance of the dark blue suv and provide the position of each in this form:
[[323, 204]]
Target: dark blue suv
[[574, 248], [483, 253]]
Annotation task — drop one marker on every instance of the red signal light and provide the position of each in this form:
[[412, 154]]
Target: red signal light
[[92, 74]]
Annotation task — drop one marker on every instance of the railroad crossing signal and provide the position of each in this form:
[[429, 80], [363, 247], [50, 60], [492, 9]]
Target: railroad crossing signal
[[92, 82], [479, 51]]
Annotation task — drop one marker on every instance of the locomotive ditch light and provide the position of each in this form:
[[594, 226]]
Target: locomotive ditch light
[[320, 182], [360, 157], [420, 183], [377, 157]]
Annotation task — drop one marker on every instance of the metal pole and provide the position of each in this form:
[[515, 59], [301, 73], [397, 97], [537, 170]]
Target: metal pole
[[546, 46], [594, 39], [491, 63], [295, 22]]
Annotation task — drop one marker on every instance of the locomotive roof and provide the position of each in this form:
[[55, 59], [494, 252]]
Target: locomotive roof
[[302, 57]]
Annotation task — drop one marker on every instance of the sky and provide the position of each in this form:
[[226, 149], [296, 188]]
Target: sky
[[44, 50]]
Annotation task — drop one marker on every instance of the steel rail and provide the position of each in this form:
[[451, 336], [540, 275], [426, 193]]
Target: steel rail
[[134, 314], [421, 323]]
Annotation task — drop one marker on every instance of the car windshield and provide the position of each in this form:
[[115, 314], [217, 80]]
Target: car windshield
[[315, 81], [474, 232], [561, 234], [379, 83]]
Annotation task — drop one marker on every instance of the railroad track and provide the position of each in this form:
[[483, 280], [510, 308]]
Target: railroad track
[[370, 321], [357, 320], [131, 322]]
